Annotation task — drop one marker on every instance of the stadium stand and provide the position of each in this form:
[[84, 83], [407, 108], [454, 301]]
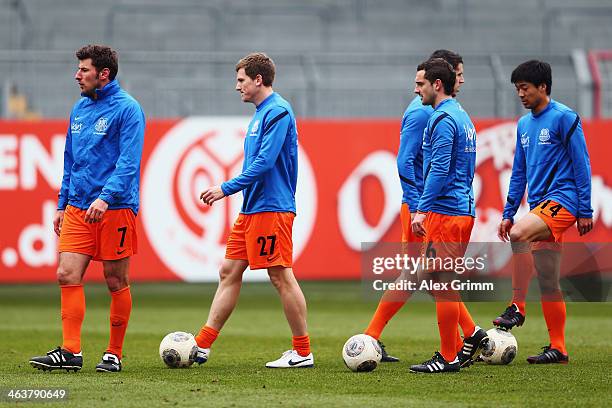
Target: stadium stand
[[339, 58]]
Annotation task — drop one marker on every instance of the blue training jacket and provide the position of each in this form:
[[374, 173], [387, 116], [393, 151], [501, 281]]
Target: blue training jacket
[[449, 161], [103, 151], [410, 154], [551, 158], [269, 171]]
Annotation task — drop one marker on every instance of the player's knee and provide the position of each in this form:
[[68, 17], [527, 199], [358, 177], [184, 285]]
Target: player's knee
[[517, 234], [115, 283], [67, 276], [276, 280], [227, 274], [280, 279], [548, 284]]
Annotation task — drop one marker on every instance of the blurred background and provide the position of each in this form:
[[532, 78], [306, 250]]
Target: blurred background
[[336, 58]]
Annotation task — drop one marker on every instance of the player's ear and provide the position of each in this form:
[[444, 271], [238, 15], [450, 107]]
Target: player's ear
[[542, 87], [438, 85], [258, 80], [104, 73]]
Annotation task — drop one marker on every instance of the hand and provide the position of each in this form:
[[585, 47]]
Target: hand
[[58, 220], [212, 194], [417, 224], [95, 211], [503, 232], [584, 225]]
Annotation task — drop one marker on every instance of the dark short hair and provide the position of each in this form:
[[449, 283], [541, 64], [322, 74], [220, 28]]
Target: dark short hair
[[102, 56], [535, 72], [258, 63], [438, 68], [449, 56]]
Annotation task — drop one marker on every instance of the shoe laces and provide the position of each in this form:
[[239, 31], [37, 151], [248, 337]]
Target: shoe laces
[[432, 360], [57, 350], [509, 312], [545, 349], [381, 345]]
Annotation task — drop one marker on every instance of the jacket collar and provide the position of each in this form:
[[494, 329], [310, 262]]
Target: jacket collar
[[108, 90], [266, 101], [444, 102], [546, 109]]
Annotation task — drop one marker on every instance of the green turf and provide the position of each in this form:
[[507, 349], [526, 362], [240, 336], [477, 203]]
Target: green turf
[[257, 332]]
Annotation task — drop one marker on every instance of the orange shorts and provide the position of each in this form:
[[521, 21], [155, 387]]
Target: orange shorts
[[557, 218], [264, 239], [446, 236], [114, 237], [407, 234]]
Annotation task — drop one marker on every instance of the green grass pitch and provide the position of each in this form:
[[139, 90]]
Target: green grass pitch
[[257, 332]]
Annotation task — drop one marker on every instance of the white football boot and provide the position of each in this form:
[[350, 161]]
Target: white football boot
[[291, 359], [202, 355]]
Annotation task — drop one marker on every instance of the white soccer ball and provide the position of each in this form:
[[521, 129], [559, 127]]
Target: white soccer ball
[[361, 353], [178, 349], [501, 347]]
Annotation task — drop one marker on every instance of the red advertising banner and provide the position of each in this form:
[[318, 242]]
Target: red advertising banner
[[348, 193]]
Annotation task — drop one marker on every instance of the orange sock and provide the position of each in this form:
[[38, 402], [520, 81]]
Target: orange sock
[[555, 314], [384, 312], [448, 320], [465, 321], [120, 309], [73, 313], [301, 344], [522, 271], [206, 337]]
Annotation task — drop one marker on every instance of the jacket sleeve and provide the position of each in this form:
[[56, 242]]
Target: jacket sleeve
[[64, 192], [441, 154], [518, 181], [273, 138], [576, 146], [411, 137], [127, 168]]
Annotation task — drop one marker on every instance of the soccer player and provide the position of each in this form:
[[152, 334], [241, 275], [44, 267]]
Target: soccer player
[[551, 158], [97, 206], [410, 170], [262, 235], [445, 211]]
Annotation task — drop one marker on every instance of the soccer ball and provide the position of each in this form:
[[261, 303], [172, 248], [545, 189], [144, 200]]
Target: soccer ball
[[361, 353], [501, 347], [178, 349]]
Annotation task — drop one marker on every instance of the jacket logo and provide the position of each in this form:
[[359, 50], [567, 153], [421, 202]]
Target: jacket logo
[[101, 125], [544, 136], [524, 139], [470, 139], [76, 127], [254, 128]]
